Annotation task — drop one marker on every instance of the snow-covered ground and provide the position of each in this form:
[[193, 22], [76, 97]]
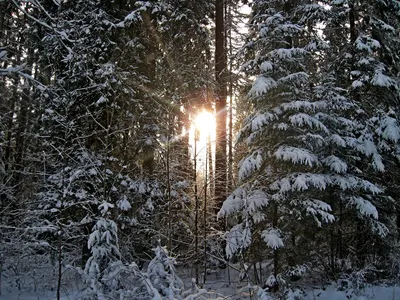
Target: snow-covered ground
[[225, 292], [373, 292], [217, 286], [38, 295]]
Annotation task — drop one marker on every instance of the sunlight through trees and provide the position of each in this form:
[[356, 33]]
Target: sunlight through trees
[[154, 149]]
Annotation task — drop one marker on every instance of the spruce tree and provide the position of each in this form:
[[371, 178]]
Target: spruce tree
[[363, 37], [304, 149]]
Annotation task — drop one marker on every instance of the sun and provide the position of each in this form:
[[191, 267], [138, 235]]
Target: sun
[[205, 124]]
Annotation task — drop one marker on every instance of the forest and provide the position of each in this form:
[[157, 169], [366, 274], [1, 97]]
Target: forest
[[144, 140]]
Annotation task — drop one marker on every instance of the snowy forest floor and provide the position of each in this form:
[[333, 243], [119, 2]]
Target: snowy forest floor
[[233, 293], [217, 287]]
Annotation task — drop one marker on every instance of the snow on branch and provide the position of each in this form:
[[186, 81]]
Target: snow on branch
[[284, 53], [123, 203], [389, 128], [365, 43], [335, 164], [351, 182], [299, 182], [238, 239], [304, 104], [233, 203], [261, 86], [379, 228], [275, 19], [260, 120], [319, 210], [266, 66], [366, 145], [256, 200], [381, 80], [304, 181], [19, 70], [302, 119], [337, 140], [250, 164], [296, 155], [298, 78], [364, 207], [272, 237]]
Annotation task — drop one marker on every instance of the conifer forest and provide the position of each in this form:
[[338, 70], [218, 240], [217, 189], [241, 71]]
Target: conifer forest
[[199, 149]]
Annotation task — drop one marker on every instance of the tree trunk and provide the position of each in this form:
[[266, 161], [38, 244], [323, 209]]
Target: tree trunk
[[230, 130], [220, 104], [211, 186], [59, 266], [170, 133], [196, 212], [276, 257]]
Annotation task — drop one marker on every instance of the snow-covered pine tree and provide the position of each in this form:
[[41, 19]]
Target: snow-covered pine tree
[[101, 118], [182, 56], [103, 244], [303, 149], [127, 281], [275, 132], [18, 108], [161, 272], [70, 114], [364, 38], [78, 130], [166, 57]]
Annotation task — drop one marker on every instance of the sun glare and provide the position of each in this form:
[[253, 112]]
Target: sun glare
[[205, 123]]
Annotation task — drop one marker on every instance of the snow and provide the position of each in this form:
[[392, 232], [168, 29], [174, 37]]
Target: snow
[[281, 126], [351, 182], [363, 61], [356, 84], [282, 53], [377, 162], [260, 120], [335, 164], [3, 54], [296, 155], [337, 140], [318, 181], [272, 237], [217, 286], [262, 85], [304, 104], [249, 164], [389, 129], [124, 204], [282, 185], [255, 201], [102, 99], [299, 77], [273, 19], [365, 207], [319, 210], [289, 28], [382, 80], [266, 66], [12, 294], [370, 292], [367, 44], [382, 25], [302, 119], [105, 206], [237, 239]]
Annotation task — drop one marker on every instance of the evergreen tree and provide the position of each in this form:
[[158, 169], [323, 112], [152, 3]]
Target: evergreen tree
[[304, 147], [366, 48]]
